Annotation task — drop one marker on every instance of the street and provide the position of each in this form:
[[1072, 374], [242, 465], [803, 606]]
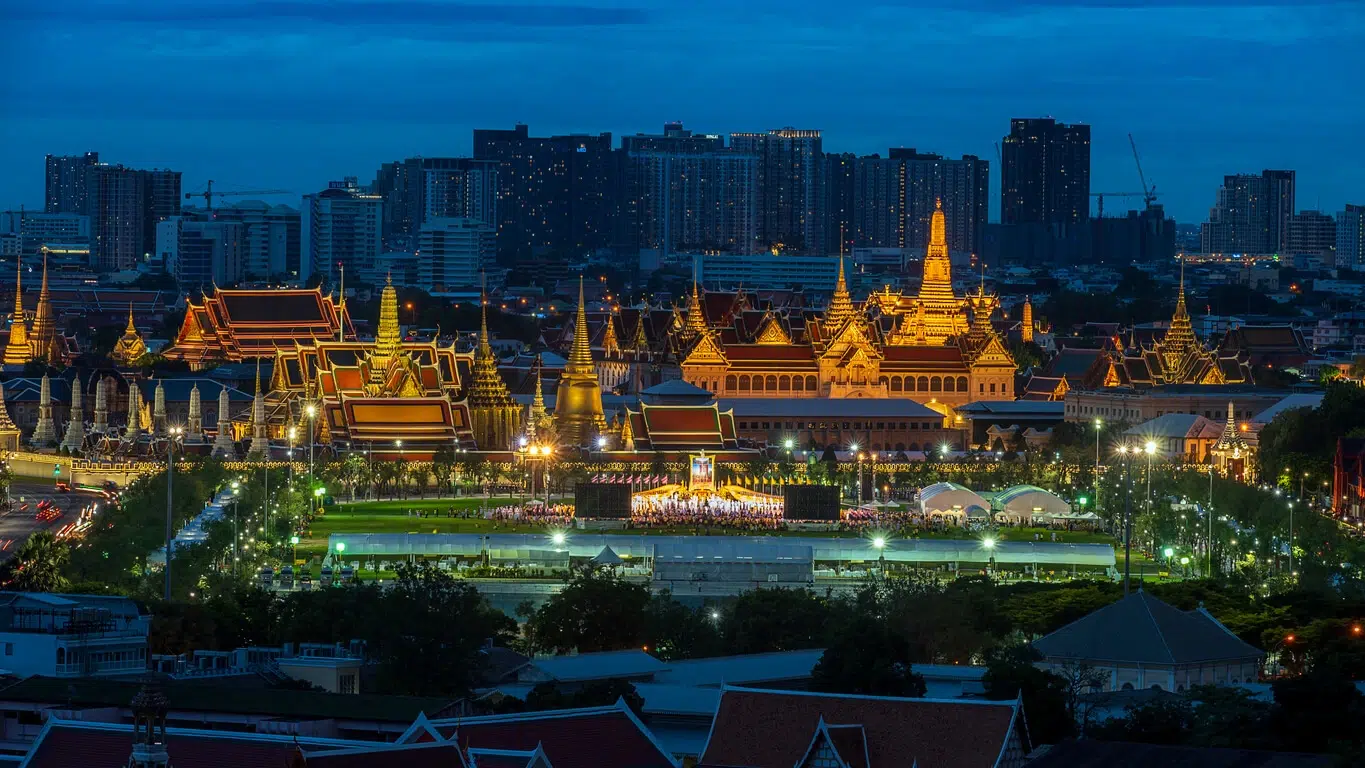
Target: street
[[18, 523]]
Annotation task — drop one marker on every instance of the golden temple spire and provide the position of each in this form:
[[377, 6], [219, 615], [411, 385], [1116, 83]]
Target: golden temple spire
[[44, 334], [696, 318], [610, 344], [840, 303], [578, 401], [1180, 338], [388, 338], [130, 348], [492, 411], [1026, 325], [341, 306], [19, 350]]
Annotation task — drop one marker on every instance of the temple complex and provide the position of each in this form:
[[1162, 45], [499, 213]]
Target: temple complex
[[41, 341], [234, 325], [933, 347]]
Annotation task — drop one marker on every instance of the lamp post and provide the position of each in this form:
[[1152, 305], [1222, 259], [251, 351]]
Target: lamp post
[[293, 549], [989, 544], [1291, 538], [174, 434], [312, 412], [857, 467], [879, 543], [293, 436], [235, 485], [399, 444], [1127, 518], [1099, 425]]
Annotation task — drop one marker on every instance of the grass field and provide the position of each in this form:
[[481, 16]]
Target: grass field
[[394, 517]]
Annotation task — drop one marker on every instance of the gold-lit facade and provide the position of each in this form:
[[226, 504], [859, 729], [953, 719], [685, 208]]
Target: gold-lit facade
[[578, 399], [934, 347]]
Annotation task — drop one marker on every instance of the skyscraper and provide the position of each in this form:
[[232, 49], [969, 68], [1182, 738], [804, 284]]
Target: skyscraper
[[840, 186], [1045, 178], [207, 253], [341, 225], [1250, 214], [879, 202], [459, 187], [270, 236], [689, 193], [118, 201], [67, 188], [1312, 232], [962, 186], [555, 193], [1351, 237], [791, 187], [400, 184]]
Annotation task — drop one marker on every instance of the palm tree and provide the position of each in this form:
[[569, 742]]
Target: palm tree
[[38, 565]]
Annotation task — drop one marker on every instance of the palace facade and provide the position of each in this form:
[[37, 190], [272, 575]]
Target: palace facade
[[934, 347]]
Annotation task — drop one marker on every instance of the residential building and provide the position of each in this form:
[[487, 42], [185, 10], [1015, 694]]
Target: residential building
[[400, 184], [1141, 643], [766, 272], [1250, 214], [1350, 245], [1312, 232], [555, 193], [341, 226], [1045, 174], [791, 187], [683, 199], [35, 231], [1141, 236], [962, 186], [453, 253], [117, 200], [58, 635], [458, 187], [271, 236], [840, 189], [67, 186]]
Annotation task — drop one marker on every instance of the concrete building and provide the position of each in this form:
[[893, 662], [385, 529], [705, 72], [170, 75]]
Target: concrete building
[[59, 635], [1045, 178], [791, 194], [271, 236], [689, 193], [67, 187], [1137, 406], [1312, 232], [341, 225], [767, 272], [206, 253], [452, 253], [117, 204], [962, 186], [1179, 437], [52, 230], [1250, 214], [459, 187], [891, 424], [1350, 245]]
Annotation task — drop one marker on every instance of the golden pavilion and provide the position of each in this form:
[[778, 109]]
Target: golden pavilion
[[130, 347], [934, 347]]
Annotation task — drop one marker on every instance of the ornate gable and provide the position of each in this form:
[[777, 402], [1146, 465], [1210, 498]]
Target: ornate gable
[[706, 351], [993, 353], [772, 332]]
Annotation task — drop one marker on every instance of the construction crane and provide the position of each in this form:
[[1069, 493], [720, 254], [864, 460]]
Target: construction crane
[[1148, 193], [1101, 195], [208, 194]]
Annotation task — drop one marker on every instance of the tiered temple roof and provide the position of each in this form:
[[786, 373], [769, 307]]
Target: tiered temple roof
[[235, 325]]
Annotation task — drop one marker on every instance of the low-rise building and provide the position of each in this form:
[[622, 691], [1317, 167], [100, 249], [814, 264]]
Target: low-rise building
[[59, 635], [1179, 436], [1141, 642]]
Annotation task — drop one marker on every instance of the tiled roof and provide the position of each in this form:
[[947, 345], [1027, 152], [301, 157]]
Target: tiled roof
[[771, 729], [1142, 629], [594, 737], [65, 744]]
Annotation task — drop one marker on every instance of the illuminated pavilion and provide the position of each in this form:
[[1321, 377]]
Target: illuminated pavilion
[[236, 325], [934, 347], [42, 340]]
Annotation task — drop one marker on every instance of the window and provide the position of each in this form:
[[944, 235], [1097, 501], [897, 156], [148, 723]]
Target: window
[[936, 384], [9, 649], [992, 388], [346, 684]]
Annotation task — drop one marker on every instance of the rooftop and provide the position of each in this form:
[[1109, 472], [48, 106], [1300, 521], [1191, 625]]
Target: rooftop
[[597, 666], [853, 407]]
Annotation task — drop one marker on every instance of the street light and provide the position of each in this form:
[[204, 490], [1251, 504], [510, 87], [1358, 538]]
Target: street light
[[601, 443], [293, 549], [311, 412], [558, 538], [1099, 425], [174, 434]]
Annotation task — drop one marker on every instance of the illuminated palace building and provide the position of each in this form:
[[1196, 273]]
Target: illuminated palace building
[[935, 347]]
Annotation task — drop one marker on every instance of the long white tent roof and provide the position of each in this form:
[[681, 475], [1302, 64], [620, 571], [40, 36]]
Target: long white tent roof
[[759, 548]]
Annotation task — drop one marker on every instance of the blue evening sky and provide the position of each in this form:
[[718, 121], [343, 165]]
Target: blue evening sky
[[292, 93]]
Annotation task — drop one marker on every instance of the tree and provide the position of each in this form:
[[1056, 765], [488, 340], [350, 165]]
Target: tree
[[597, 611], [867, 658], [598, 693], [1011, 673], [38, 565], [766, 620]]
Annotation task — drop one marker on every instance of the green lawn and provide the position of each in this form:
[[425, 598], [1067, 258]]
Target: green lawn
[[393, 517]]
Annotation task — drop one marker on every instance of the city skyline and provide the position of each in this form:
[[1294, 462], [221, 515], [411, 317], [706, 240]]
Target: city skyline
[[375, 82]]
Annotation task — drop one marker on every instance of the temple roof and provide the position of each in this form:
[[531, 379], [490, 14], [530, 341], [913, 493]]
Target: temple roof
[[682, 427]]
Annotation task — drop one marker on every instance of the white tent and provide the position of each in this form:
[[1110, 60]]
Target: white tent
[[949, 502]]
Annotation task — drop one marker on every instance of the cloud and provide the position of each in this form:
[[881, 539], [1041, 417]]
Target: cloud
[[343, 13]]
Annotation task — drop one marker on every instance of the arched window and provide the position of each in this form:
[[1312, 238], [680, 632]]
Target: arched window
[[896, 384], [784, 383], [758, 383], [810, 384], [962, 384], [743, 383], [935, 384], [923, 384], [798, 384], [772, 384], [949, 384], [730, 383]]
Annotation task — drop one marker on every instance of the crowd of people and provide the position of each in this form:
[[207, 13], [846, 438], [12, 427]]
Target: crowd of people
[[560, 515], [706, 511]]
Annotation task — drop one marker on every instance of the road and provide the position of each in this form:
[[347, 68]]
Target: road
[[16, 524]]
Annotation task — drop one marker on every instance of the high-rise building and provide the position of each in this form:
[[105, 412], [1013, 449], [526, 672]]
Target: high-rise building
[[1045, 178], [118, 205], [67, 187], [791, 187], [840, 196], [163, 198], [1141, 236], [689, 193], [202, 254], [341, 225], [1351, 237], [459, 187], [1312, 232], [453, 252], [1250, 214], [270, 236], [555, 193], [400, 184], [961, 185]]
